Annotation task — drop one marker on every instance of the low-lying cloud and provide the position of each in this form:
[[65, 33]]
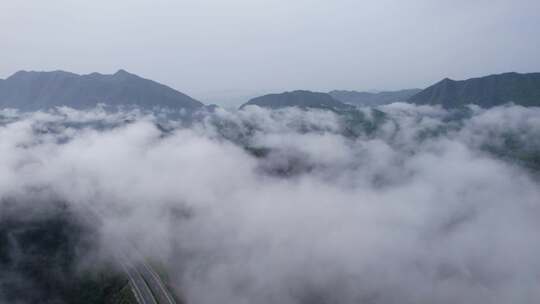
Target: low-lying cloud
[[400, 204]]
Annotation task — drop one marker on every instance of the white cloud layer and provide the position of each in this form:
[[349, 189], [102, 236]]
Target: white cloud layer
[[420, 210]]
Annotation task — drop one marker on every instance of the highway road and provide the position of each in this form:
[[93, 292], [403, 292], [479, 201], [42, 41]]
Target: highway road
[[160, 291], [142, 292], [146, 284]]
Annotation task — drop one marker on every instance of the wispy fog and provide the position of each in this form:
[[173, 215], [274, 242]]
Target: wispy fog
[[403, 204]]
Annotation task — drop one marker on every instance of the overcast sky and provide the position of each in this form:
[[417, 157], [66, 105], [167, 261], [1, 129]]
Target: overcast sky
[[210, 47]]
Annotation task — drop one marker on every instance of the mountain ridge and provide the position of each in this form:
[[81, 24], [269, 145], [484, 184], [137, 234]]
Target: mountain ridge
[[297, 98], [36, 90], [488, 91]]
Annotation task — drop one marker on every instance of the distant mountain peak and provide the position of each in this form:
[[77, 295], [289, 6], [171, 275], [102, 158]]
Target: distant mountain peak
[[124, 75], [297, 98], [30, 91], [488, 91], [122, 72], [23, 74]]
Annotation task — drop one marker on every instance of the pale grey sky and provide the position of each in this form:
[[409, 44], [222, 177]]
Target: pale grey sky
[[210, 47]]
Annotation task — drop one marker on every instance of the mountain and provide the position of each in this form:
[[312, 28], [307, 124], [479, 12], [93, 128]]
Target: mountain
[[489, 91], [30, 91], [372, 99], [302, 99]]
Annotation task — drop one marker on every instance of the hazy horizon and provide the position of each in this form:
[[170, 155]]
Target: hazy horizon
[[205, 47]]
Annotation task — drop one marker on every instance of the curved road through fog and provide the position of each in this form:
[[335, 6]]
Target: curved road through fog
[[146, 284]]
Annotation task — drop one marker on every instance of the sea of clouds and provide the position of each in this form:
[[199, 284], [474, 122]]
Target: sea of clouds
[[400, 204]]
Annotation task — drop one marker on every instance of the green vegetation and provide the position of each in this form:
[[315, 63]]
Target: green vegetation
[[39, 260], [123, 296], [514, 149], [356, 123]]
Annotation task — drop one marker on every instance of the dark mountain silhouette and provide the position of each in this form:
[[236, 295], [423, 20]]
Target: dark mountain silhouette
[[30, 91], [372, 99], [489, 91], [302, 99]]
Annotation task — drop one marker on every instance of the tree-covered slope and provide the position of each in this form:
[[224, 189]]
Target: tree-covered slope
[[40, 255]]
